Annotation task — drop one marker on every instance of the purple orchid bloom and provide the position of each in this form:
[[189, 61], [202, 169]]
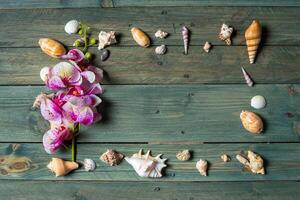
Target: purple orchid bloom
[[54, 137], [75, 55]]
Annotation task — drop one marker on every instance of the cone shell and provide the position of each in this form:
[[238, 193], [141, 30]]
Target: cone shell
[[185, 38], [61, 167], [140, 37], [251, 122], [52, 47], [253, 38]]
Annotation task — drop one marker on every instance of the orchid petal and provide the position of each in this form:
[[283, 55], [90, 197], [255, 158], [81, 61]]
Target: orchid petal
[[44, 73], [74, 54], [86, 116], [55, 83], [97, 71], [67, 72], [50, 111], [88, 75]]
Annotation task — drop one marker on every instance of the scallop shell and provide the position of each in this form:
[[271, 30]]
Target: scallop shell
[[52, 47], [254, 162], [202, 166], [61, 167], [106, 39], [253, 38], [140, 37], [248, 79], [183, 155], [207, 47], [89, 165], [145, 165], [72, 27], [160, 50], [251, 122], [225, 158], [185, 37], [225, 34], [111, 157], [161, 34], [258, 102]]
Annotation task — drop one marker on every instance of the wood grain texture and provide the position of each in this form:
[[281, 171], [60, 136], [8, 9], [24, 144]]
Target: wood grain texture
[[28, 190], [25, 4], [25, 27], [282, 162], [233, 3], [134, 65], [164, 114]]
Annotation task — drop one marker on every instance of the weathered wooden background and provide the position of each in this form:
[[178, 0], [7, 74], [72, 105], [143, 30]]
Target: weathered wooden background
[[163, 103]]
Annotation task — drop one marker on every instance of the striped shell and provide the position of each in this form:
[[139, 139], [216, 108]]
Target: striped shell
[[185, 37], [52, 47], [253, 38]]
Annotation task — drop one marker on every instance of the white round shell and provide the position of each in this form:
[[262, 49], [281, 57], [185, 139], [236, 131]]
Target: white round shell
[[258, 102], [161, 49], [89, 165], [72, 27]]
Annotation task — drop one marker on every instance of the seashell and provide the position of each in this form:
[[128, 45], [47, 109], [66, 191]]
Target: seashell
[[89, 165], [104, 54], [61, 167], [202, 166], [253, 38], [207, 47], [258, 102], [185, 37], [251, 122], [225, 34], [140, 37], [183, 155], [72, 27], [106, 39], [248, 79], [111, 157], [145, 165], [161, 34], [225, 158], [160, 50], [52, 47], [253, 162]]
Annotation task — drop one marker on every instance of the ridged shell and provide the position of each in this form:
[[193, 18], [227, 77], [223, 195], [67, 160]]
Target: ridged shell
[[202, 166], [253, 162], [89, 165], [106, 39], [61, 167], [145, 165], [253, 38], [160, 50], [183, 155], [251, 122], [248, 79], [111, 157], [185, 37], [225, 33], [52, 47], [140, 37], [258, 102]]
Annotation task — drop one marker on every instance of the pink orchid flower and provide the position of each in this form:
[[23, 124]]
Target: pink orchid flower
[[75, 55], [50, 110]]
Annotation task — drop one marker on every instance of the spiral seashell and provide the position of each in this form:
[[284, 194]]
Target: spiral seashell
[[185, 37], [160, 50], [61, 167], [111, 157], [251, 122], [89, 165], [161, 34], [207, 47], [225, 34], [248, 79], [254, 162], [72, 27], [202, 166], [253, 38], [52, 47], [140, 37], [183, 155]]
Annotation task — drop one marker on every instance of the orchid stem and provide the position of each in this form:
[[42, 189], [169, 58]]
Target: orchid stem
[[76, 131]]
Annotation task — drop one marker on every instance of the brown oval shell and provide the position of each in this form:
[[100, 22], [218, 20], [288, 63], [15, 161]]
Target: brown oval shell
[[251, 122], [140, 37], [52, 47]]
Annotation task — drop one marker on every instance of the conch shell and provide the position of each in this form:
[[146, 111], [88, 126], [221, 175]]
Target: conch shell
[[202, 166], [52, 47], [145, 165], [140, 37], [111, 157], [61, 167], [253, 38], [254, 162], [183, 155], [225, 34], [185, 36], [252, 122], [106, 39]]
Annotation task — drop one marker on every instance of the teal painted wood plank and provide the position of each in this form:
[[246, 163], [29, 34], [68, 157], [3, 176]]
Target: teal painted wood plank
[[25, 4], [282, 162], [289, 190], [164, 114], [133, 65], [23, 28], [154, 3]]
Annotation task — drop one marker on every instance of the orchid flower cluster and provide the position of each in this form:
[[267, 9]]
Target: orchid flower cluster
[[75, 84]]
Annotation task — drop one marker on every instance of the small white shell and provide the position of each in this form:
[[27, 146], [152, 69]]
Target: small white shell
[[258, 102], [89, 165], [206, 47], [225, 158], [72, 27], [225, 33], [160, 50], [202, 166], [183, 155], [44, 73], [161, 34]]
